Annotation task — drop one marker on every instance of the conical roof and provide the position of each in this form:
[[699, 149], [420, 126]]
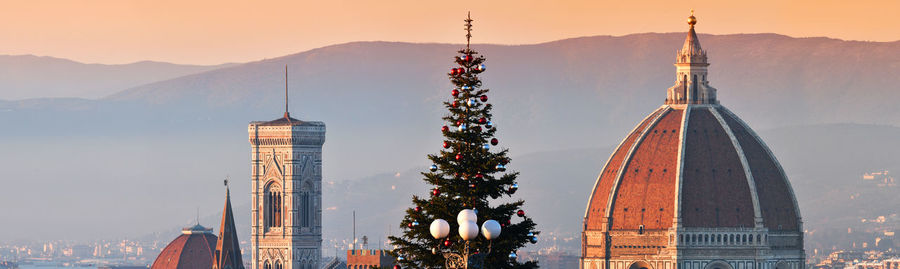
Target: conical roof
[[228, 249], [691, 43]]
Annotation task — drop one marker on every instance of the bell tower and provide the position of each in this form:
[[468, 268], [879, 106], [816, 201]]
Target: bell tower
[[286, 182]]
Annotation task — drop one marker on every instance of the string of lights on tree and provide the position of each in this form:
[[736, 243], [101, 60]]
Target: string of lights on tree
[[469, 179]]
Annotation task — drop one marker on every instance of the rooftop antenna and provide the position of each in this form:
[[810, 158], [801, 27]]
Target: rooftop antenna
[[354, 229], [286, 114], [198, 215]]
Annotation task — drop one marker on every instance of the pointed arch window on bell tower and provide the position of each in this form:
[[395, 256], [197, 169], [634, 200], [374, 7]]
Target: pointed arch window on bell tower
[[273, 206]]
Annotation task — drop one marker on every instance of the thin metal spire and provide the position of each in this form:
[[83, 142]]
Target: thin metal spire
[[468, 29], [286, 113]]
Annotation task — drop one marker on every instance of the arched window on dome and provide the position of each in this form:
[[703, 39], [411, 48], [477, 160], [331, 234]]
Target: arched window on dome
[[267, 265], [273, 206]]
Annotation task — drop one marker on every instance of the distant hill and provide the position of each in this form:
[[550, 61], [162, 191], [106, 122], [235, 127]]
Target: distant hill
[[29, 76], [152, 154], [564, 94]]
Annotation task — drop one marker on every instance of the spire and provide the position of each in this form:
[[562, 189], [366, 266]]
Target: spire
[[228, 251], [287, 115]]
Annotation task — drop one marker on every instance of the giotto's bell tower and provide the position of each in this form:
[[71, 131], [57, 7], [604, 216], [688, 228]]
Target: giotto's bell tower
[[286, 178]]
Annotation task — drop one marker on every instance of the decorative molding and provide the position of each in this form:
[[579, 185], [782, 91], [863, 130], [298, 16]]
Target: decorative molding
[[787, 182], [597, 182], [757, 212], [679, 170], [627, 159]]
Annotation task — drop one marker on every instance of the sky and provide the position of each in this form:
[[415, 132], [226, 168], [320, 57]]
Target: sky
[[220, 31]]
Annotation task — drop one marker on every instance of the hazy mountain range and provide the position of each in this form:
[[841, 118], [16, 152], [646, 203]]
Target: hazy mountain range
[[29, 76], [149, 155]]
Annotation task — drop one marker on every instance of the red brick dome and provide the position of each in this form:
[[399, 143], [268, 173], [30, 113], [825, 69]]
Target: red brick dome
[[694, 164], [194, 248]]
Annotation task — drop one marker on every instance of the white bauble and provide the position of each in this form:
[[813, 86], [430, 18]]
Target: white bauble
[[466, 215], [468, 230], [490, 229], [440, 228]]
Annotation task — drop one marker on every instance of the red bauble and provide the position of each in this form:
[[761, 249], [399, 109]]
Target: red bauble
[[409, 225], [447, 243], [508, 222], [484, 98], [458, 123], [479, 176], [458, 157], [482, 120], [520, 213], [445, 128], [469, 58], [494, 141], [435, 192], [454, 71], [396, 266], [462, 71], [446, 144], [455, 92], [454, 104], [417, 209]]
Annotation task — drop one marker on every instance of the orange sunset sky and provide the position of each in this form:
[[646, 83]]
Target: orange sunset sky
[[212, 32]]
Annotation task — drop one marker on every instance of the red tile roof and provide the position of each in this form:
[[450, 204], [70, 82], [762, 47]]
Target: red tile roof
[[189, 250], [715, 190]]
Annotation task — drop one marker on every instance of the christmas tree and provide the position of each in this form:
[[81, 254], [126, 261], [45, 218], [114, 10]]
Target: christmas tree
[[469, 178]]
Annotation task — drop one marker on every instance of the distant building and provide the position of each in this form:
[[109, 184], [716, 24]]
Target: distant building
[[882, 178], [365, 259], [81, 251], [692, 187], [552, 259]]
